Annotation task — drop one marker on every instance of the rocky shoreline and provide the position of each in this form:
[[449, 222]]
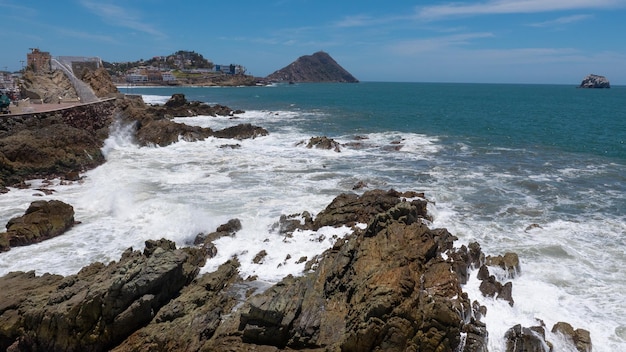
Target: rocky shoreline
[[394, 284]]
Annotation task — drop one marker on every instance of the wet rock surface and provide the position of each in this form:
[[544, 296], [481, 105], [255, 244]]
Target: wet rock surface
[[521, 339], [55, 143], [323, 143], [393, 284], [41, 221], [179, 106], [580, 337], [155, 127], [97, 308]]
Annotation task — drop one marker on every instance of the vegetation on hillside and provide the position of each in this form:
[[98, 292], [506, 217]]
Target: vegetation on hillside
[[180, 60]]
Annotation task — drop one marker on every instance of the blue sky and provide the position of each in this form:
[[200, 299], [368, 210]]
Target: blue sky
[[491, 41]]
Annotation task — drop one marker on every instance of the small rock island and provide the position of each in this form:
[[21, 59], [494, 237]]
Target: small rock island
[[595, 81], [319, 67]]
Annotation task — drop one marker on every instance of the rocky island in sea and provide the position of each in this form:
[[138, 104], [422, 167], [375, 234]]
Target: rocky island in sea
[[392, 284], [319, 67], [595, 81]]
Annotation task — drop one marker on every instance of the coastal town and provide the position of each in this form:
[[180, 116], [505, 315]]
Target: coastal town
[[180, 68]]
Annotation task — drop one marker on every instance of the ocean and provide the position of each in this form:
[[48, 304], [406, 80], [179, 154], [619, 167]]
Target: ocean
[[539, 170]]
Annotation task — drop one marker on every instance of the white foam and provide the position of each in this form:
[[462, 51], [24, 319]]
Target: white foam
[[155, 99], [571, 262]]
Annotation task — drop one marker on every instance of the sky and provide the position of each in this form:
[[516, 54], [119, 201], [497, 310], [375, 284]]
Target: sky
[[485, 41]]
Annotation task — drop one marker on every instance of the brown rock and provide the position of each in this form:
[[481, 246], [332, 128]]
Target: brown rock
[[188, 321], [100, 82], [47, 87], [176, 101], [509, 262], [323, 143], [521, 339], [580, 337], [350, 209], [258, 258], [42, 220], [97, 308], [491, 287], [241, 131], [385, 289]]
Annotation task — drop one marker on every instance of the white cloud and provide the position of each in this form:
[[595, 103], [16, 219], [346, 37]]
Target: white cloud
[[84, 35], [493, 7], [561, 21], [354, 21], [120, 16], [416, 46]]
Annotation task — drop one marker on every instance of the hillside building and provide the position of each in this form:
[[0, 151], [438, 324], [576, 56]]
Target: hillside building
[[38, 61]]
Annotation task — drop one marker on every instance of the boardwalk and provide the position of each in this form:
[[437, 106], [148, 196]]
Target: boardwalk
[[28, 108]]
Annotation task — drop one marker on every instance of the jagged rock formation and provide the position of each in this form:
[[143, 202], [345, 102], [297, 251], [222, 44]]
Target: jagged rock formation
[[47, 87], [595, 81], [100, 82], [319, 67], [394, 285], [522, 339], [323, 142], [42, 220], [533, 339], [154, 126], [97, 308], [580, 337]]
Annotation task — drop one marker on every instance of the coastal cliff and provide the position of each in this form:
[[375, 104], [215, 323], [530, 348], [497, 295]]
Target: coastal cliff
[[319, 67]]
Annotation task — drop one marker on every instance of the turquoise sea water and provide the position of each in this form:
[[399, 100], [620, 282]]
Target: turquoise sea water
[[495, 159], [539, 170], [541, 117]]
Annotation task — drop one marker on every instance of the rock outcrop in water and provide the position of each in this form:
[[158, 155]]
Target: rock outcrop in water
[[155, 127], [319, 67], [595, 81], [42, 220], [384, 287], [394, 285]]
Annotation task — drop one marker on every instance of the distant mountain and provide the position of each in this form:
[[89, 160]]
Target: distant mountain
[[319, 67]]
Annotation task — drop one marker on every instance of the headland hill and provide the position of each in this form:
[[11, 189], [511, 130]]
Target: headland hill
[[187, 68], [394, 285]]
